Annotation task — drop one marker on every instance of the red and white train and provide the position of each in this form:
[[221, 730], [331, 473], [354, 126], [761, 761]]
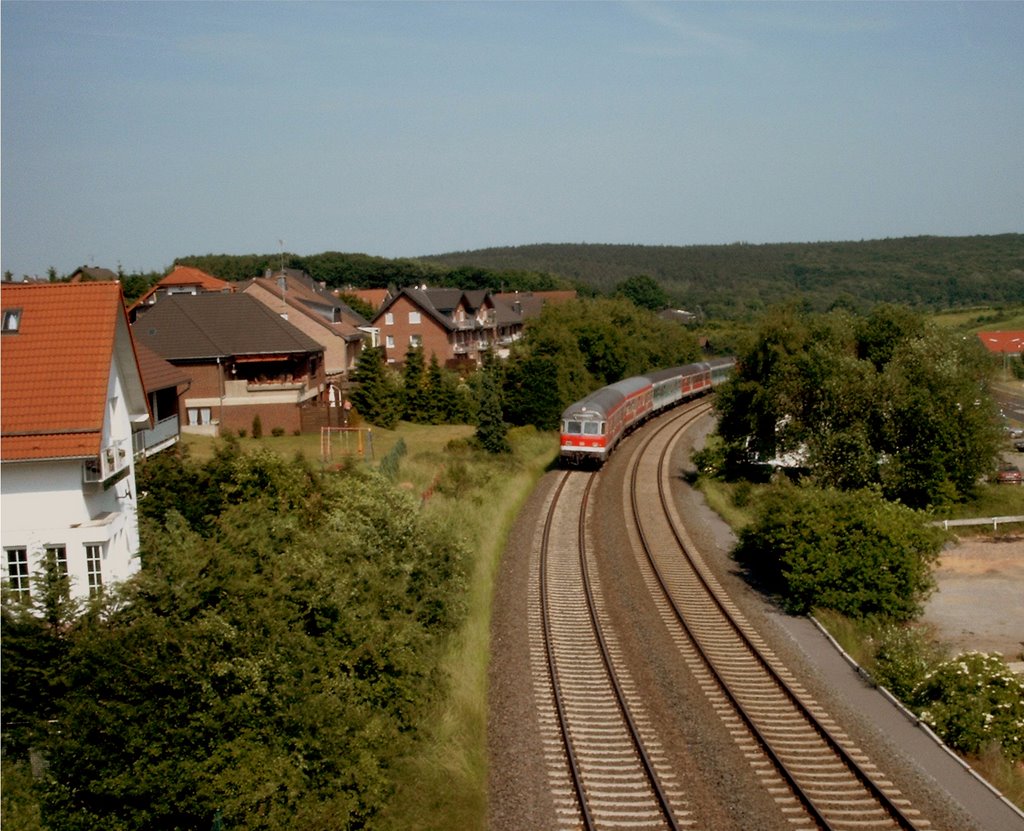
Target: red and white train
[[593, 426]]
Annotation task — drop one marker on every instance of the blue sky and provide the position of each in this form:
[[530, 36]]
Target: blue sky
[[134, 133]]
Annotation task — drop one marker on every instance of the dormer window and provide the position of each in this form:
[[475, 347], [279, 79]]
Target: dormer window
[[12, 321]]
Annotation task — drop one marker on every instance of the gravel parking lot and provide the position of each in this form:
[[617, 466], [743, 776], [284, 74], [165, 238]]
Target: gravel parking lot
[[979, 604]]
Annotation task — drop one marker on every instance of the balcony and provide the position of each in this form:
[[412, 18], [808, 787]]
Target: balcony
[[263, 389], [112, 463], [164, 434]]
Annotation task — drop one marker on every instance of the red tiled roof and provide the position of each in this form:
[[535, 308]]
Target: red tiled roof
[[56, 368], [1009, 343], [183, 275], [375, 297]]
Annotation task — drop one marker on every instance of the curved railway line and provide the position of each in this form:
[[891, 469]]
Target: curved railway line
[[607, 765]]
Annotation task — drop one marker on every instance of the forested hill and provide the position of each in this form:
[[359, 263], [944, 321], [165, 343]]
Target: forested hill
[[732, 280]]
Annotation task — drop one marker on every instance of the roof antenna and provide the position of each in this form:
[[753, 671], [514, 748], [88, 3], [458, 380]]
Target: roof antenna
[[282, 283]]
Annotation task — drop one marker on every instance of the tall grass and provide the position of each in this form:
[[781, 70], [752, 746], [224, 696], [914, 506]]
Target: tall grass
[[856, 637], [445, 785], [736, 503]]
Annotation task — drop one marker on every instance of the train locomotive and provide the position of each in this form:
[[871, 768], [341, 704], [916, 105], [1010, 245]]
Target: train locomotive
[[593, 426]]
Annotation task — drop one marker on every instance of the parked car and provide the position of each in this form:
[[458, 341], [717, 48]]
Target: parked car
[[1018, 445], [1008, 475]]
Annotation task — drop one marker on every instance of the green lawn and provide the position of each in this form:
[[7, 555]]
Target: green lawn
[[983, 319]]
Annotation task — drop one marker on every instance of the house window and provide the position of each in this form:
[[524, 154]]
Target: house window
[[17, 572], [57, 567], [58, 555], [389, 319], [199, 415], [12, 320], [414, 317], [415, 340], [390, 343], [94, 568], [92, 470]]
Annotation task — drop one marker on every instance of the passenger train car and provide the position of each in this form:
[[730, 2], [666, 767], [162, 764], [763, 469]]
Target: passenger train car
[[593, 426]]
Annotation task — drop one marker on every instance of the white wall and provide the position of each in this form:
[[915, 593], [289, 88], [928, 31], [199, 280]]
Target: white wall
[[46, 503]]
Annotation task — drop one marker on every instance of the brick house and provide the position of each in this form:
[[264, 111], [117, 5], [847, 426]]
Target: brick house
[[243, 358], [458, 326], [454, 325], [73, 400]]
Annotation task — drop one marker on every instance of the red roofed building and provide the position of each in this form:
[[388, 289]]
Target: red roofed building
[[374, 297], [1003, 343], [72, 397], [183, 279]]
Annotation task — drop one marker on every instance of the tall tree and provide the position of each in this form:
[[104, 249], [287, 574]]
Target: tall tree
[[887, 402], [414, 392], [530, 396], [643, 291], [491, 431], [376, 395]]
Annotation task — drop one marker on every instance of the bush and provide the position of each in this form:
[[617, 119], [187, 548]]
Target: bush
[[904, 655], [389, 465], [974, 701], [850, 551], [268, 668], [277, 432], [257, 427]]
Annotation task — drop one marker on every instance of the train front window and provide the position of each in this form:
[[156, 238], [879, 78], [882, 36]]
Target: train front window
[[573, 428], [592, 428]]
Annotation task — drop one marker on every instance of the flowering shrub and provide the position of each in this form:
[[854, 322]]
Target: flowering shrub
[[973, 701], [903, 657]]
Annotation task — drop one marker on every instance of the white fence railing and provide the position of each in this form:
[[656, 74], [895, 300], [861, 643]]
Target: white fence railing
[[994, 521]]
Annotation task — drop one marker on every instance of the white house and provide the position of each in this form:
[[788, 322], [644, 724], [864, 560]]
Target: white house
[[72, 396]]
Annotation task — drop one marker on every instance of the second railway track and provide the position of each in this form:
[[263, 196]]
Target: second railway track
[[831, 784]]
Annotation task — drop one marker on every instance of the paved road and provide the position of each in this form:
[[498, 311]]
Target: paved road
[[987, 809], [1011, 400]]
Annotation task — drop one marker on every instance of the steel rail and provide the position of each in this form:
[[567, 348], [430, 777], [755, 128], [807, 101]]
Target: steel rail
[[563, 719], [897, 815], [634, 731], [631, 729]]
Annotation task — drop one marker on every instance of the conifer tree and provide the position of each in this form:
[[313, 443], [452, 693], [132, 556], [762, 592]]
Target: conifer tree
[[439, 406], [376, 396], [491, 431], [414, 392]]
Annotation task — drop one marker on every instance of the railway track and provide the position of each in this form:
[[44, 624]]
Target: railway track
[[817, 777], [606, 747]]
